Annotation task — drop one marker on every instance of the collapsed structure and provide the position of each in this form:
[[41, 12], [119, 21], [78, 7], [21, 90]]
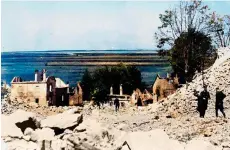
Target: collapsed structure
[[76, 98], [164, 86], [45, 91]]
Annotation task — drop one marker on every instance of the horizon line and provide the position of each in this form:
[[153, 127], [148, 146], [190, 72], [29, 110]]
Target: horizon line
[[79, 50]]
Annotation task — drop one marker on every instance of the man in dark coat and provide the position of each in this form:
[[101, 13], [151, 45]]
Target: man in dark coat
[[219, 102], [139, 101], [202, 101], [158, 93], [205, 96], [198, 100], [98, 104], [117, 104]]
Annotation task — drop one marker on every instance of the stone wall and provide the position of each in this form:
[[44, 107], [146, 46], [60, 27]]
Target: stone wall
[[165, 88], [76, 99], [29, 92]]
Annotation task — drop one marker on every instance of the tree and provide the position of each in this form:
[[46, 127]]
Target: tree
[[192, 15], [87, 85], [220, 28], [188, 15], [189, 53], [104, 78], [191, 31]]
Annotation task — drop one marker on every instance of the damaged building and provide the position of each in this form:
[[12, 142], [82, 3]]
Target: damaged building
[[164, 86], [76, 98], [46, 91]]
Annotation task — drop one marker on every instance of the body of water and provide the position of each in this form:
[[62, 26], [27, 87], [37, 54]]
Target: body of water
[[24, 64]]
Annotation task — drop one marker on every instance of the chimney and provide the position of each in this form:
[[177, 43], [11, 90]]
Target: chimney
[[4, 84], [36, 76], [121, 90], [76, 90], [67, 87], [111, 90], [44, 75], [168, 75]]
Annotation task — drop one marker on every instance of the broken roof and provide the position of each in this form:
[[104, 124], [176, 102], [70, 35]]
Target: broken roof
[[60, 83]]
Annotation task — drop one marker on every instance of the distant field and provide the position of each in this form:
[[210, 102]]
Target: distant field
[[108, 60], [104, 63]]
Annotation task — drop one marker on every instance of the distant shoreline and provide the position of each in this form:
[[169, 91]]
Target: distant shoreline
[[105, 64], [93, 50], [109, 60]]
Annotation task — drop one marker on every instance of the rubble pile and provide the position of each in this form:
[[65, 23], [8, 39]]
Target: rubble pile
[[184, 102], [67, 130], [70, 130], [8, 107], [183, 128]]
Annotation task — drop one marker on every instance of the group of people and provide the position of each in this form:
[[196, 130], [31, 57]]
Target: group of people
[[203, 98]]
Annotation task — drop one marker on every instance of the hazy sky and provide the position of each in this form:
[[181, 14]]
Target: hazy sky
[[84, 25]]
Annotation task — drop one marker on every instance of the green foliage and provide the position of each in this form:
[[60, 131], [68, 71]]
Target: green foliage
[[191, 31], [87, 85], [189, 53], [104, 78]]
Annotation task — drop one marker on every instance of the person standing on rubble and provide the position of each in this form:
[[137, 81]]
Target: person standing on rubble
[[202, 101], [199, 100], [98, 104], [219, 102], [139, 101], [117, 104], [205, 96]]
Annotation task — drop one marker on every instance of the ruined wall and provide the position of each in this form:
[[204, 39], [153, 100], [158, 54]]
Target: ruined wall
[[62, 97], [29, 92], [165, 88], [156, 85], [51, 91], [76, 99]]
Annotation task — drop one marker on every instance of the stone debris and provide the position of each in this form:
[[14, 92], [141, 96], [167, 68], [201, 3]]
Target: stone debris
[[20, 144], [42, 134], [8, 107], [200, 145], [154, 139], [9, 129], [80, 128], [62, 121], [93, 135]]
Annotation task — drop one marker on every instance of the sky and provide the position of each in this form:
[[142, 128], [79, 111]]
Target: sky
[[73, 25]]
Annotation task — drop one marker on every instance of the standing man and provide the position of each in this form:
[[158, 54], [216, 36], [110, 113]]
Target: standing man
[[158, 93], [117, 104], [139, 102], [219, 102], [205, 96], [98, 104], [199, 101]]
